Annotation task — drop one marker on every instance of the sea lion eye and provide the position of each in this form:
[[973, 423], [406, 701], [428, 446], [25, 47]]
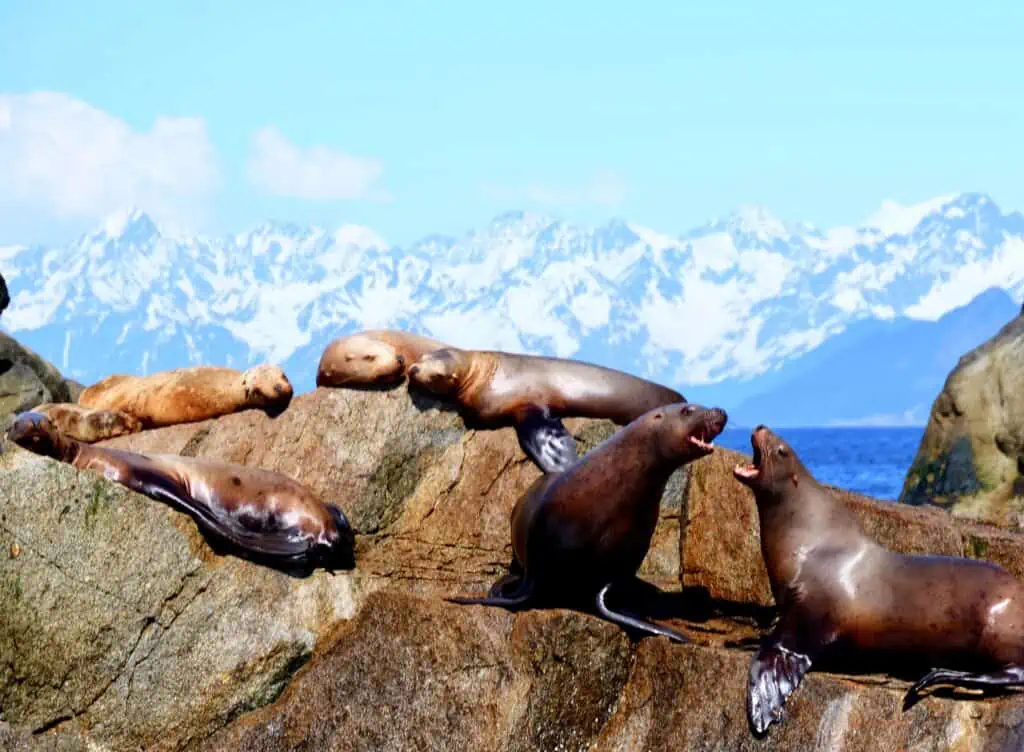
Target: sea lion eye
[[369, 357], [689, 409], [783, 452]]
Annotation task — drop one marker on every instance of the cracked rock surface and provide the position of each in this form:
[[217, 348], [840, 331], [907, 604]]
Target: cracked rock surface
[[121, 630]]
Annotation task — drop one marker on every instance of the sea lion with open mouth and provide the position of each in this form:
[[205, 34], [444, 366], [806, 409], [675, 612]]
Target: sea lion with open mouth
[[579, 534], [838, 589]]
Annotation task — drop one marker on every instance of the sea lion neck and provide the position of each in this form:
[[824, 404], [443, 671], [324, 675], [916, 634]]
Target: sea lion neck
[[482, 367]]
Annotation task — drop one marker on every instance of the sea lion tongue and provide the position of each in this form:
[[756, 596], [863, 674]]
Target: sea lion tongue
[[751, 471]]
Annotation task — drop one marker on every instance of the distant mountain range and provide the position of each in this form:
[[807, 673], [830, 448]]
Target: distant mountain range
[[778, 322]]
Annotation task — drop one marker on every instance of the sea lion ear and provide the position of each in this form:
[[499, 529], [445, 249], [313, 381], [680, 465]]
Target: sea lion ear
[[659, 415], [793, 477]]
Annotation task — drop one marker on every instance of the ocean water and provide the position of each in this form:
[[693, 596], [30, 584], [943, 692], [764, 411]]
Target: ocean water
[[872, 461]]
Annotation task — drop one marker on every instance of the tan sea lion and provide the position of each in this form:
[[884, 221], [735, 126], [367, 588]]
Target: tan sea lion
[[376, 357], [577, 535], [841, 593], [493, 389], [187, 395], [86, 423], [254, 514]]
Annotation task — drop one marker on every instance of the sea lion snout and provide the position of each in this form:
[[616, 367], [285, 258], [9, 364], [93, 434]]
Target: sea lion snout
[[413, 370]]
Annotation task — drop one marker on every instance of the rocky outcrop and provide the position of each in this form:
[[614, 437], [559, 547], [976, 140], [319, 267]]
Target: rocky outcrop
[[26, 380], [120, 630], [971, 457]]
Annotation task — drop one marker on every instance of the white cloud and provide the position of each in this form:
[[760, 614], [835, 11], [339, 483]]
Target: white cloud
[[67, 160], [603, 188], [280, 168]]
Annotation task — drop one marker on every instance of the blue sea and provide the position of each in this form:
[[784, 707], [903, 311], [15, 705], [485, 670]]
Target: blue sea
[[872, 461]]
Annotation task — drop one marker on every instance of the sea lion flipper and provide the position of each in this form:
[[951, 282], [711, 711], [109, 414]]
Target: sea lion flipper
[[775, 672], [626, 620], [1012, 676], [546, 441]]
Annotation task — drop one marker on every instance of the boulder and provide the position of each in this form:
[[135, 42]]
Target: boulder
[[971, 457], [121, 630], [26, 380]]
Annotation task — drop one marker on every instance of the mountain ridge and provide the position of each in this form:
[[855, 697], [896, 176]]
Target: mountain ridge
[[715, 308]]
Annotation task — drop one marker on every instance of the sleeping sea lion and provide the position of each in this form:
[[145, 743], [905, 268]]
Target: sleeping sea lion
[[187, 395], [86, 423], [255, 514], [376, 357]]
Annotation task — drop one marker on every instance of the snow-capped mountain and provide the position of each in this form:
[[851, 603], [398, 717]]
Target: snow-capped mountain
[[725, 304]]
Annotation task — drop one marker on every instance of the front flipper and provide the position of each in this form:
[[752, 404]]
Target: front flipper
[[546, 440], [1012, 676], [632, 622], [513, 591], [775, 672]]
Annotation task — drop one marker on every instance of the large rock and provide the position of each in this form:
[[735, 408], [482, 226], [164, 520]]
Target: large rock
[[971, 457], [26, 380], [120, 630]]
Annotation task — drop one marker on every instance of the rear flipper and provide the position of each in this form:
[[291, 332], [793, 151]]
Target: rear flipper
[[513, 591], [1012, 676], [775, 673], [546, 441], [633, 622], [509, 583]]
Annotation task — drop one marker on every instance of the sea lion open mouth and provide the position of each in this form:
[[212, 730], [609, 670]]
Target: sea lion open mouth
[[704, 436], [751, 471]]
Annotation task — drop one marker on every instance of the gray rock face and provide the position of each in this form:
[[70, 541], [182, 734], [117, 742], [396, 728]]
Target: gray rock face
[[121, 630], [26, 380], [972, 451]]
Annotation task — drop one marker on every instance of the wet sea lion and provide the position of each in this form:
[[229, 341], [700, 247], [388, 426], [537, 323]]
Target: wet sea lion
[[187, 395], [493, 389], [577, 535], [86, 423], [255, 514], [839, 593], [375, 357]]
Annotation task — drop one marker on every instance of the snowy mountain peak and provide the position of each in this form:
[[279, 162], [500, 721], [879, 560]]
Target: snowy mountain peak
[[733, 300]]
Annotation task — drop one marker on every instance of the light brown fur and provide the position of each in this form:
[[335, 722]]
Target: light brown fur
[[88, 424], [186, 395], [371, 358]]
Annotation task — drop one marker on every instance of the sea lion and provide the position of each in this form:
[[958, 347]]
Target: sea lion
[[255, 514], [376, 357], [186, 395], [838, 590], [532, 393], [578, 534], [86, 423]]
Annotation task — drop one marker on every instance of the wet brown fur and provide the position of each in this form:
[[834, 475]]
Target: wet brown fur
[[247, 508], [496, 388], [187, 395]]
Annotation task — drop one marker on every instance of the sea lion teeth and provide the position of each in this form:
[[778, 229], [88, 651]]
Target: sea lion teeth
[[579, 533], [493, 389]]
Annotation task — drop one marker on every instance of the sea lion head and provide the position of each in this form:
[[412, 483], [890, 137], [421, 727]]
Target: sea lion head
[[440, 371], [359, 359], [34, 431], [267, 387], [340, 553], [775, 467], [686, 430]]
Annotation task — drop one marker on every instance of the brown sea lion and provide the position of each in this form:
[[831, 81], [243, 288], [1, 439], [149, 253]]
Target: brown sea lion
[[839, 592], [577, 535], [254, 514], [86, 423], [532, 393], [376, 357], [187, 395]]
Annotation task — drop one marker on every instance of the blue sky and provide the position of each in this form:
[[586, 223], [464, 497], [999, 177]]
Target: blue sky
[[436, 116]]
